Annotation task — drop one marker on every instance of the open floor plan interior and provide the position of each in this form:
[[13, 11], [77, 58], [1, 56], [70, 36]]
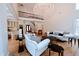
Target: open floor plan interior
[[39, 29]]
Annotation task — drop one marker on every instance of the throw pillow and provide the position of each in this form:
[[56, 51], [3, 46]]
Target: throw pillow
[[51, 33], [60, 34]]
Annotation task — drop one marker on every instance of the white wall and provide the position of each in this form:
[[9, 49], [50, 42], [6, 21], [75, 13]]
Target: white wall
[[62, 18], [58, 16], [3, 30], [1, 45], [4, 13]]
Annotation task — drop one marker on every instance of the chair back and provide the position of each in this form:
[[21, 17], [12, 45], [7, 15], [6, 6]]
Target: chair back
[[30, 44]]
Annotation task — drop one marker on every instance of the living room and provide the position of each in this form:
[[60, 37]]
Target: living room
[[56, 18]]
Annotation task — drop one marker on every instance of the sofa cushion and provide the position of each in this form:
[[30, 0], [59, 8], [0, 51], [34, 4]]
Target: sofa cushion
[[51, 33], [60, 34], [35, 38], [29, 35], [55, 33]]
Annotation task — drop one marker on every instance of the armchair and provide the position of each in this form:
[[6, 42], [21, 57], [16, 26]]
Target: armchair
[[34, 48]]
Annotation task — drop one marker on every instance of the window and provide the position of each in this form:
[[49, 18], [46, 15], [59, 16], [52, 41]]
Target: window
[[28, 28], [76, 23], [77, 6]]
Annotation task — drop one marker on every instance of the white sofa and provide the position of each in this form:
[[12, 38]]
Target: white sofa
[[35, 48], [56, 34]]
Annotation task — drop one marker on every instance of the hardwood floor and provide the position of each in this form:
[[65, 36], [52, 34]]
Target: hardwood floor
[[13, 46]]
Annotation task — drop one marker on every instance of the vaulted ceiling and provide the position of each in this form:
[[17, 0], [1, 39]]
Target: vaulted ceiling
[[39, 9], [43, 10]]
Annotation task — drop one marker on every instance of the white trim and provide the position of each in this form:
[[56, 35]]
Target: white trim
[[31, 19]]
